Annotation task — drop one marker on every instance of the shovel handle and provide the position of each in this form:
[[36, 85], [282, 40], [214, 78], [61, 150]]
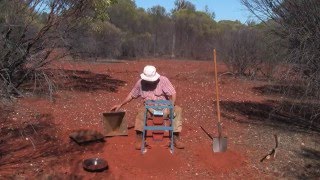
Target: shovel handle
[[216, 83], [206, 133], [219, 130]]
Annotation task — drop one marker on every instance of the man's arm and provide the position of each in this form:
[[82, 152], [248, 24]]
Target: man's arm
[[173, 98], [169, 90], [135, 92], [125, 101]]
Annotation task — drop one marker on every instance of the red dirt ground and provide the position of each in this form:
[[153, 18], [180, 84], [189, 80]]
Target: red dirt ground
[[43, 149]]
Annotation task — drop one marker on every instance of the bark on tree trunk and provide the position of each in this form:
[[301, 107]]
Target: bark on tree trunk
[[173, 45]]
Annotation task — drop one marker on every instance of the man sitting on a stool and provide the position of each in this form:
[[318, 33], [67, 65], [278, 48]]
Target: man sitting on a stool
[[152, 86]]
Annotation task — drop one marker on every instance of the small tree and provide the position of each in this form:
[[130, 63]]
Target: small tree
[[194, 34], [296, 24], [30, 30], [98, 39], [242, 50]]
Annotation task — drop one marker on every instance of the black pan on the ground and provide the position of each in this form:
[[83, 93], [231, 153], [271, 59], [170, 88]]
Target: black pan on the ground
[[95, 164]]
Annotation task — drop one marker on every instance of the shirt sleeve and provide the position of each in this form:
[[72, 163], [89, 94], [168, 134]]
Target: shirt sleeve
[[136, 90], [167, 87]]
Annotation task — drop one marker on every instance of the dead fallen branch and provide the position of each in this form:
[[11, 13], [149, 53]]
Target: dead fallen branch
[[273, 152]]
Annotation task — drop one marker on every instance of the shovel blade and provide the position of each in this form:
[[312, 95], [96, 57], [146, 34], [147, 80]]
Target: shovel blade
[[220, 144]]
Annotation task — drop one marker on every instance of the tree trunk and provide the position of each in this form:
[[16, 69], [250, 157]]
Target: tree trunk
[[173, 45]]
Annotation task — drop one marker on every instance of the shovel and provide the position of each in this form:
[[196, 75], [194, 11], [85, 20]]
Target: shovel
[[219, 143]]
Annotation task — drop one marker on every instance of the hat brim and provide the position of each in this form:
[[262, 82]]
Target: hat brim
[[151, 79]]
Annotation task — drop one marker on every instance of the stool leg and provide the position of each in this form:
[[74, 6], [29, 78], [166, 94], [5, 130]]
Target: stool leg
[[171, 144], [143, 148], [171, 132]]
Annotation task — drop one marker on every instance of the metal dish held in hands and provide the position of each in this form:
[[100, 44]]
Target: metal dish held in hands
[[95, 164]]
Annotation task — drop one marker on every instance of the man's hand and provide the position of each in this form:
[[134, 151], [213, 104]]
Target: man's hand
[[116, 107], [127, 100]]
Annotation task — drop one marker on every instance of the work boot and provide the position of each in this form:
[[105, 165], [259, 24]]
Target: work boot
[[138, 142], [177, 141]]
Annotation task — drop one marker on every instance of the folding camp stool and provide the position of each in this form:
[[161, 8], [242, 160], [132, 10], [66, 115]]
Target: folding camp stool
[[158, 106]]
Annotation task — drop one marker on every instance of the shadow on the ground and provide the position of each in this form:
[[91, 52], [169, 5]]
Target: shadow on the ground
[[74, 80], [85, 81], [36, 145], [268, 113], [5, 110], [289, 91], [312, 168]]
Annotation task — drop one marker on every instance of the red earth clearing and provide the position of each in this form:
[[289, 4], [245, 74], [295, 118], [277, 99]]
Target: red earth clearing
[[35, 133]]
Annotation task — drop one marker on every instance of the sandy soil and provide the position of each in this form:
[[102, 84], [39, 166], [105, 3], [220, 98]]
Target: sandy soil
[[35, 140]]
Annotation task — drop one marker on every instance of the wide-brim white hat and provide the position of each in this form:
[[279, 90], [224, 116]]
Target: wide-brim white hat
[[150, 74]]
